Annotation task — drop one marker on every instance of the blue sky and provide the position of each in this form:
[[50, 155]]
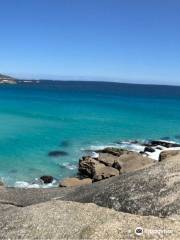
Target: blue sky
[[119, 40]]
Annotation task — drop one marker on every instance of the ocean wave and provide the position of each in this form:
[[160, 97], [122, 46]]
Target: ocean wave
[[69, 166], [36, 184]]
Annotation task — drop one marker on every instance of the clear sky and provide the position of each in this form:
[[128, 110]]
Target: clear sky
[[121, 40]]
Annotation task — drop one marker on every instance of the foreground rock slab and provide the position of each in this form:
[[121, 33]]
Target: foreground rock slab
[[70, 220], [154, 190], [151, 191]]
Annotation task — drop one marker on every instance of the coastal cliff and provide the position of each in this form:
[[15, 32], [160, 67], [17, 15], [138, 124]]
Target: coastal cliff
[[4, 79], [148, 198]]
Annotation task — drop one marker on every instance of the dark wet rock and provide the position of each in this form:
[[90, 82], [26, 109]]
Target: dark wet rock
[[166, 144], [113, 151], [65, 144], [47, 179], [168, 153], [149, 149], [57, 153], [117, 165], [72, 182]]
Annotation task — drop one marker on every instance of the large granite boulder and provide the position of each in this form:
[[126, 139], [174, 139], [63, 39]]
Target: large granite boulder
[[95, 169], [72, 182], [112, 162], [168, 153], [154, 190], [70, 220]]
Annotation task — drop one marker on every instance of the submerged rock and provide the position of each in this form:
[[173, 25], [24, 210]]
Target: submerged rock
[[47, 179], [71, 182], [57, 153], [65, 143]]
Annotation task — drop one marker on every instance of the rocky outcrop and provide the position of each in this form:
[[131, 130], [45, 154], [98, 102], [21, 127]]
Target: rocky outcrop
[[167, 144], [95, 169], [72, 182], [151, 191], [112, 162], [70, 220], [168, 153]]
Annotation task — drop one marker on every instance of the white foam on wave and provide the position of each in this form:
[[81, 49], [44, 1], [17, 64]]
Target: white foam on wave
[[23, 184], [69, 166]]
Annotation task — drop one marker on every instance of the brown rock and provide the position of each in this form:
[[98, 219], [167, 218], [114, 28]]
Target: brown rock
[[104, 172], [168, 153], [87, 166], [71, 182], [132, 161], [95, 169]]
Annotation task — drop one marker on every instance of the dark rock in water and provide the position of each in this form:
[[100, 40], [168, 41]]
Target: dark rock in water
[[47, 179], [149, 149], [57, 153], [113, 151], [177, 136], [65, 144], [165, 138], [13, 171], [166, 144]]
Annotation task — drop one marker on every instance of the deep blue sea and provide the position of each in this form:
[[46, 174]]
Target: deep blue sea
[[73, 116]]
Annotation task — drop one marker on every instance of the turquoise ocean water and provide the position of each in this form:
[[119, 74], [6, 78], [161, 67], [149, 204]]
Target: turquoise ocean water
[[72, 116]]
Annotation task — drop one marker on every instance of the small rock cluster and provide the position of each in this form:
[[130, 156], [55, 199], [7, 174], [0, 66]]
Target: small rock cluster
[[107, 163]]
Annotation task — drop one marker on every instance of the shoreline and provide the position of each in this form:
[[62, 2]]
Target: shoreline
[[142, 150], [147, 198]]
